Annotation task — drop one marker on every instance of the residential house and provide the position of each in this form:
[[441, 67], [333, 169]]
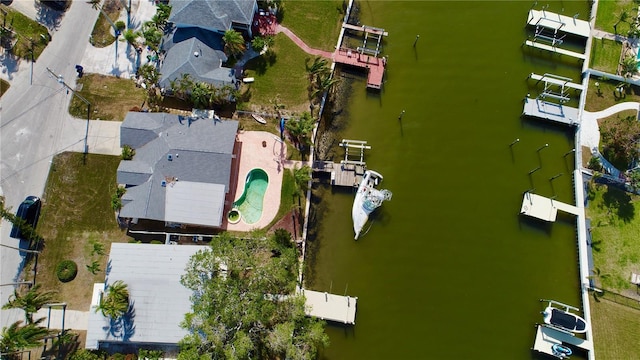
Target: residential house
[[157, 299], [181, 170], [194, 44]]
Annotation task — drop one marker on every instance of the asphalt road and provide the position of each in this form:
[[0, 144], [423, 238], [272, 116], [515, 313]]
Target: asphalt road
[[35, 125]]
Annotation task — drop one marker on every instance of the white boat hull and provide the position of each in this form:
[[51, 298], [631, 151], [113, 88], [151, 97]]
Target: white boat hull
[[362, 204]]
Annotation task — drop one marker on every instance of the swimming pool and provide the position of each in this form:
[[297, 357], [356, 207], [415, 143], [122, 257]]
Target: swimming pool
[[250, 203]]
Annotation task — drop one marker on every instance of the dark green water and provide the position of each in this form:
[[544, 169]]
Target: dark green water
[[448, 268]]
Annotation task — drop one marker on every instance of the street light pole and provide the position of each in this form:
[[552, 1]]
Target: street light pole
[[61, 81]]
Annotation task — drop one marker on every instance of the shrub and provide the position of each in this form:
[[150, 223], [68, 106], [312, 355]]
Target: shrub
[[157, 242], [66, 270], [594, 164], [120, 25], [127, 152]]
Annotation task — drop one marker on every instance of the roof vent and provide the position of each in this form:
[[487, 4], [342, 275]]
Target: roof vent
[[163, 183], [196, 54], [169, 157]]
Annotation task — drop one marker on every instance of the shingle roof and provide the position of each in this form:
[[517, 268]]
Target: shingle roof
[[212, 14], [195, 52], [197, 151], [152, 274]]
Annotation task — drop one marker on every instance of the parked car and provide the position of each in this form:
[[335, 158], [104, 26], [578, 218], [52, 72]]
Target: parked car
[[29, 211]]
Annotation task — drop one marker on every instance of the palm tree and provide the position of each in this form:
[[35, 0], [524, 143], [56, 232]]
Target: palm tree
[[16, 337], [622, 17], [185, 85], [152, 35], [302, 176], [629, 66], [95, 4], [201, 95], [131, 36], [324, 83], [116, 301], [319, 66], [300, 129], [31, 301], [233, 43]]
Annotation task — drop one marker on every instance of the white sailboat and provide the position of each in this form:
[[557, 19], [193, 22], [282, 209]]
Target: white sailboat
[[368, 198]]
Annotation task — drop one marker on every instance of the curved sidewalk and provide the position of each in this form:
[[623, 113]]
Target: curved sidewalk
[[301, 44], [589, 123]]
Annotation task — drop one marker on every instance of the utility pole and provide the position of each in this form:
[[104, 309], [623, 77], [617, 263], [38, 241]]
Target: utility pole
[[61, 81]]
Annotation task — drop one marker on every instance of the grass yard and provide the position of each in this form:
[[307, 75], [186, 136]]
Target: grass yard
[[605, 55], [607, 96], [4, 86], [280, 74], [76, 214], [102, 34], [110, 97], [615, 225], [27, 31], [317, 23], [609, 13], [615, 330]]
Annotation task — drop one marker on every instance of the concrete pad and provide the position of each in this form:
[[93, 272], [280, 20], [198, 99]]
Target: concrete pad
[[73, 319]]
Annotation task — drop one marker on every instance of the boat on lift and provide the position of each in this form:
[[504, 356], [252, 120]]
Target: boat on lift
[[368, 198], [560, 316]]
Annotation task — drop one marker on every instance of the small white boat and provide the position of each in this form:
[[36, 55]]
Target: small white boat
[[259, 119], [368, 198], [562, 318]]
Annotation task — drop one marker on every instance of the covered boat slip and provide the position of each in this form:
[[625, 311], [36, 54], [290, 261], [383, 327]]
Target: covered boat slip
[[557, 22], [547, 336]]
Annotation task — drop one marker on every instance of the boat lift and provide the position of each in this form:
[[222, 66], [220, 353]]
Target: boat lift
[[555, 87], [354, 144]]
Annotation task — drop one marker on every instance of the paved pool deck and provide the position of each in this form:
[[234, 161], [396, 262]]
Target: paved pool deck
[[271, 159]]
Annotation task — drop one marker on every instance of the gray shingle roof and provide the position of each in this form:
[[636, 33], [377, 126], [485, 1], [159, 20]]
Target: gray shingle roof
[[200, 151], [152, 274], [181, 47], [218, 15]]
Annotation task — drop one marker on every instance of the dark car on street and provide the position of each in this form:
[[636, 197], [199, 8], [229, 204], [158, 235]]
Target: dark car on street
[[29, 211]]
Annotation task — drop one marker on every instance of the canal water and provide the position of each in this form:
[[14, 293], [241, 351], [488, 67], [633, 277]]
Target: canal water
[[448, 267]]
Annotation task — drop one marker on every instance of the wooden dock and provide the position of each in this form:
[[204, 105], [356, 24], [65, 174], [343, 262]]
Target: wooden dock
[[547, 336], [544, 208], [557, 22], [341, 174], [331, 307], [555, 49], [374, 65], [550, 111], [365, 28]]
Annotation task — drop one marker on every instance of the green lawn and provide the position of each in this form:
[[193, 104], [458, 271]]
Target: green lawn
[[615, 330], [317, 23], [102, 34], [609, 13], [605, 55], [28, 32], [607, 96], [110, 97], [281, 73], [76, 213], [615, 225]]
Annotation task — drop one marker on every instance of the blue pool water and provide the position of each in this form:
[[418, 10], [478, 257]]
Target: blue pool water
[[250, 203]]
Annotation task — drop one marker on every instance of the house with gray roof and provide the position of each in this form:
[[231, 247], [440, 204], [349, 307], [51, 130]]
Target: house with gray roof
[[214, 15], [181, 170], [196, 52], [157, 299], [194, 45]]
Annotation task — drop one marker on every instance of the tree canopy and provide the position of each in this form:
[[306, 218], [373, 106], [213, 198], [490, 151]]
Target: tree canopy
[[620, 140], [244, 305]]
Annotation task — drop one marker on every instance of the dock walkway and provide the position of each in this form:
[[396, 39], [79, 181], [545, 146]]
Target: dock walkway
[[546, 337], [550, 111], [341, 174], [557, 22], [544, 208], [555, 49], [330, 306]]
